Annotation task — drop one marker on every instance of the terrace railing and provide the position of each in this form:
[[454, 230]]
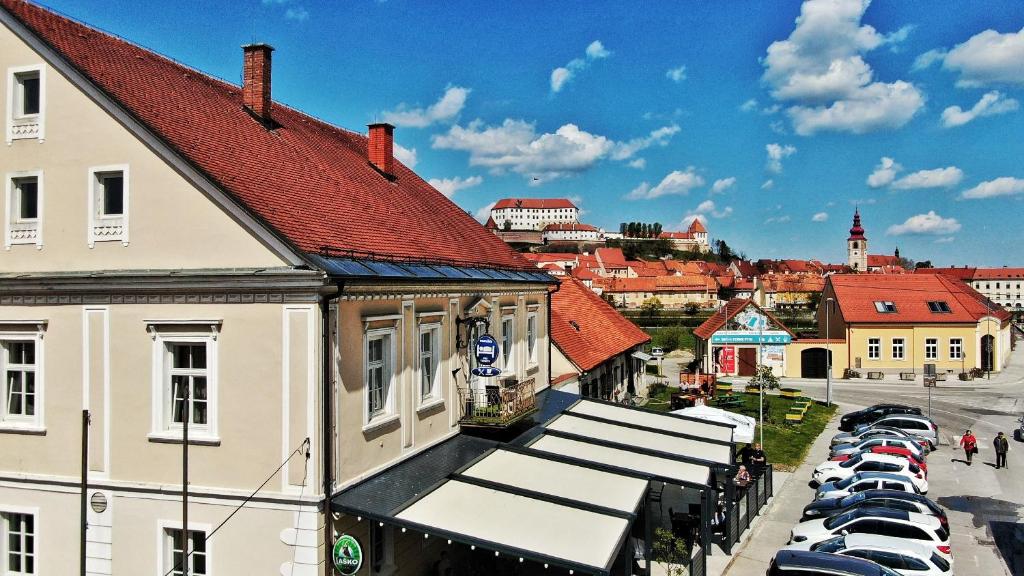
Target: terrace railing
[[497, 406]]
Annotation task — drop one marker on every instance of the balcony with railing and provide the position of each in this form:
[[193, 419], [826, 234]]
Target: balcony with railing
[[497, 406]]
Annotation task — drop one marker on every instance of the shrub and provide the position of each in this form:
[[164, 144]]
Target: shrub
[[977, 372], [765, 377]]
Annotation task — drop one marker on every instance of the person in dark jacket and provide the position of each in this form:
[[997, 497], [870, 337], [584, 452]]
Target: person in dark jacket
[[1002, 446]]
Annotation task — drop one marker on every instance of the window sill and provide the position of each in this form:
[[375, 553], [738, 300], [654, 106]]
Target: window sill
[[428, 404], [165, 438], [30, 429], [380, 422]]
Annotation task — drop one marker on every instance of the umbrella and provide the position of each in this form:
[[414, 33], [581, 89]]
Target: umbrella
[[744, 425]]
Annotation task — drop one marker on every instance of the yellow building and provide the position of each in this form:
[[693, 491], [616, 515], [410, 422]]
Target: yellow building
[[896, 324]]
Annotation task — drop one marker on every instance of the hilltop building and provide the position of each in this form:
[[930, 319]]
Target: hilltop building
[[695, 239], [532, 213], [858, 258]]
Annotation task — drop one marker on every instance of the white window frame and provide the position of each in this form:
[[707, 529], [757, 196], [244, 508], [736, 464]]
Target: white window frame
[[5, 510], [902, 348], [163, 545], [931, 348], [435, 396], [162, 428], [34, 423], [390, 413], [956, 348], [531, 347], [39, 120], [508, 365], [11, 224], [102, 228], [877, 343]]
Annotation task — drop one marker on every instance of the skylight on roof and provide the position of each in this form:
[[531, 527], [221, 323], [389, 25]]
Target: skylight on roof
[[938, 307], [885, 307]]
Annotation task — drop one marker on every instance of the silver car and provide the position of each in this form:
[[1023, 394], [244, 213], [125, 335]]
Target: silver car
[[866, 431], [865, 481], [867, 444], [911, 425]]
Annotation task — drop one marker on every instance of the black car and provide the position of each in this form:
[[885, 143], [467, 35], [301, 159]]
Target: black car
[[801, 563], [894, 499], [872, 413]]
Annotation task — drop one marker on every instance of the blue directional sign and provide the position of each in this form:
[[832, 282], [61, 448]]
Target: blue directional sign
[[486, 371], [747, 337], [486, 350]]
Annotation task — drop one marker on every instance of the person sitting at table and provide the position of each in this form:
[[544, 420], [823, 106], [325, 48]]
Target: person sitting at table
[[742, 476]]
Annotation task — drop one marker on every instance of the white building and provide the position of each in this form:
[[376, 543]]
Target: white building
[[572, 232], [533, 213]]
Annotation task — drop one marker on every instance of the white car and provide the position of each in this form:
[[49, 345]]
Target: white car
[[907, 557], [891, 524], [862, 481], [657, 352], [833, 471]]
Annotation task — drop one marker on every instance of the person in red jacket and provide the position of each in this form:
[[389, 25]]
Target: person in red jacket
[[970, 444]]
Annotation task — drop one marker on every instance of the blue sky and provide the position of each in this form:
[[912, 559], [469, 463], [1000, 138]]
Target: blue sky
[[768, 120]]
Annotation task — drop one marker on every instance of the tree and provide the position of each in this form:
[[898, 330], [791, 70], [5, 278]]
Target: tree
[[906, 263], [657, 229], [507, 225], [671, 552], [622, 228], [691, 308], [651, 307], [923, 264]]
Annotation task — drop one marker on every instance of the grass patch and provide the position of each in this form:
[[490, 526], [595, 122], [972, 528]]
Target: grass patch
[[672, 338], [785, 444]]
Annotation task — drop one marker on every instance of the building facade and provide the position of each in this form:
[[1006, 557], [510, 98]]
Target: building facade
[[533, 213], [572, 232]]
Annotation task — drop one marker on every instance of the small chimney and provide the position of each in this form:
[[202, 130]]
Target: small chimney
[[381, 148], [256, 79]]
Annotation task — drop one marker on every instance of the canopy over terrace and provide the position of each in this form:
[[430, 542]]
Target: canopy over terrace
[[681, 424]]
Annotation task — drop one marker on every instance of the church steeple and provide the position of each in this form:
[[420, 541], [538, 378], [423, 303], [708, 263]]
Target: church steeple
[[857, 231], [857, 245]]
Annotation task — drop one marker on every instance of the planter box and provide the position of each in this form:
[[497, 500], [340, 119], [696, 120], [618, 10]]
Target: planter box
[[875, 375], [966, 376]]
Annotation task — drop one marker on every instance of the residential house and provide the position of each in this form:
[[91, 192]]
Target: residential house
[[1003, 286], [788, 291], [694, 239], [674, 292], [612, 263], [179, 249], [572, 232], [533, 213]]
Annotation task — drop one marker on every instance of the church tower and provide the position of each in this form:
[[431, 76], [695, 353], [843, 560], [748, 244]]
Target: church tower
[[857, 246]]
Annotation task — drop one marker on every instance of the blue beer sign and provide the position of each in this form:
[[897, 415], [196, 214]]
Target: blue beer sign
[[486, 350]]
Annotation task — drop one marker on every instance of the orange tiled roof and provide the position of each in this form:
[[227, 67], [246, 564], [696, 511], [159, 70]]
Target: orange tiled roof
[[533, 203], [588, 330], [792, 283], [687, 283], [856, 295], [879, 260], [732, 308]]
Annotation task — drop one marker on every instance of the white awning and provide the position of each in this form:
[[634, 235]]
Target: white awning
[[744, 425], [642, 356], [622, 458], [693, 427], [718, 453], [512, 521]]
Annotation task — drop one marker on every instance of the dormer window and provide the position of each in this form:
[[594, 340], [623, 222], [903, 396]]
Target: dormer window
[[108, 205], [938, 307], [25, 102], [885, 307]]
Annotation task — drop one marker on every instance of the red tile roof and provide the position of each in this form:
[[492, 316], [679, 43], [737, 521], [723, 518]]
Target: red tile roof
[[856, 295], [998, 273], [308, 180], [879, 260], [533, 203], [688, 283], [675, 236], [587, 329], [792, 283], [696, 226], [964, 273], [733, 307], [570, 227], [611, 257]]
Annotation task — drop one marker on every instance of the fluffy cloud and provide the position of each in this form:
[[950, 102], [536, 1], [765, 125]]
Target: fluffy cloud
[[446, 108], [936, 178], [749, 105], [1005, 186], [638, 163], [777, 220], [768, 184], [676, 182], [820, 217], [516, 146], [991, 104], [884, 173], [562, 75], [944, 240], [406, 156], [930, 223], [676, 75], [484, 212], [776, 153], [984, 59], [820, 69], [449, 186], [723, 184], [703, 210]]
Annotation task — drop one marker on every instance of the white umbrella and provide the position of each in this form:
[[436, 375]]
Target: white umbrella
[[744, 425]]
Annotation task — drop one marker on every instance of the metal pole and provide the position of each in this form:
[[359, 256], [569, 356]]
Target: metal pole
[[85, 487], [760, 382], [988, 353], [184, 479], [828, 353]]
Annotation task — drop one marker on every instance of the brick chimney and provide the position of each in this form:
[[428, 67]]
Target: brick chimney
[[381, 148], [256, 79]]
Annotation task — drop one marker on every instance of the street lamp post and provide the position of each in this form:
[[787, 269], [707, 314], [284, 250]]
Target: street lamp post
[[828, 353], [760, 381]]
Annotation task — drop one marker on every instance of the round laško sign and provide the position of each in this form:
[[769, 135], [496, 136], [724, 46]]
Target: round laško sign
[[348, 555]]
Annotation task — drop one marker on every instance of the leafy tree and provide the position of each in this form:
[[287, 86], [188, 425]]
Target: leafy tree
[[507, 225], [724, 252], [906, 263], [657, 229], [651, 307], [923, 264], [671, 552], [622, 228], [691, 308]]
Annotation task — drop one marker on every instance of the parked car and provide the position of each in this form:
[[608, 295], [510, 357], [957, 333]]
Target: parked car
[[865, 481], [909, 501], [657, 352], [868, 415], [880, 442], [895, 524], [866, 432], [891, 450], [803, 563], [903, 556], [832, 471], [914, 426]]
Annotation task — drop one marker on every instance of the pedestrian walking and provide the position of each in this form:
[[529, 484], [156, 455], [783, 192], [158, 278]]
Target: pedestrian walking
[[1002, 446], [970, 445]]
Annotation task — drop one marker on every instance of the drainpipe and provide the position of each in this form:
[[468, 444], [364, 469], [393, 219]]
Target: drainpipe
[[550, 340], [328, 401]]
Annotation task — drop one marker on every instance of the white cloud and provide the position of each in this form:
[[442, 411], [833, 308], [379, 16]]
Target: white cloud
[[659, 137], [1004, 186], [820, 217], [768, 184], [991, 104], [563, 74], [297, 13], [749, 105], [446, 108], [777, 220], [944, 240], [723, 184], [449, 186], [884, 173], [986, 58], [930, 223], [676, 75], [820, 69], [703, 210], [776, 153], [935, 178], [406, 156], [676, 182], [484, 212], [927, 59], [638, 163]]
